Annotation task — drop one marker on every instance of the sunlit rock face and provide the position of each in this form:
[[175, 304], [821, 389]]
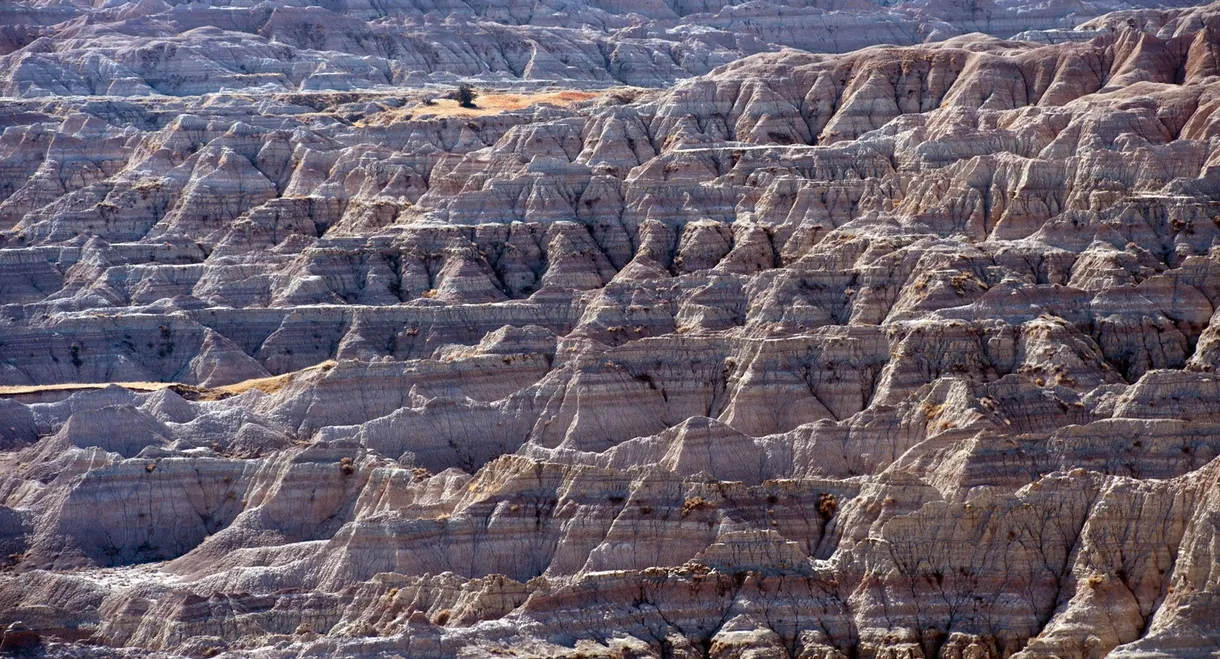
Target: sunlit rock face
[[155, 47], [718, 347]]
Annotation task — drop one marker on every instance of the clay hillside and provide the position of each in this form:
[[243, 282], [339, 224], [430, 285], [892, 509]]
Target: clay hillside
[[837, 329]]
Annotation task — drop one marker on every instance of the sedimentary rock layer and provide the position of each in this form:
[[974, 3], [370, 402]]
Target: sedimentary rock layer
[[902, 352], [154, 47]]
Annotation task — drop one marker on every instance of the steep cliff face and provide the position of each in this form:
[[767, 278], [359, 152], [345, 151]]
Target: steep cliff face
[[902, 352]]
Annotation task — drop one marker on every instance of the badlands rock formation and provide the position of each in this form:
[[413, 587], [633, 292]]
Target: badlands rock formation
[[150, 47], [906, 352]]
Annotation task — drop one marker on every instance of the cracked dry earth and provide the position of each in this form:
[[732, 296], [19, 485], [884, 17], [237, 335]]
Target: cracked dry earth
[[905, 352]]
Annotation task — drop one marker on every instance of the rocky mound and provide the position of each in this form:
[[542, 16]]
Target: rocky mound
[[903, 352]]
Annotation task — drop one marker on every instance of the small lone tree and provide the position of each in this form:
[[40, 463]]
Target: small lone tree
[[466, 95]]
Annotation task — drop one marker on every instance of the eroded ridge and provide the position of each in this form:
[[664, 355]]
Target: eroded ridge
[[903, 352]]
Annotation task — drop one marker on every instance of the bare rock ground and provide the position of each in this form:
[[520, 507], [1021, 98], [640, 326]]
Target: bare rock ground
[[900, 352]]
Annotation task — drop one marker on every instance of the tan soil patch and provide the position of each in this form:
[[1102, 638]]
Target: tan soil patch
[[269, 385], [487, 103]]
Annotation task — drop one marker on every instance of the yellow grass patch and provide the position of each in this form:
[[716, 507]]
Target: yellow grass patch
[[269, 385], [18, 389], [486, 103], [491, 103]]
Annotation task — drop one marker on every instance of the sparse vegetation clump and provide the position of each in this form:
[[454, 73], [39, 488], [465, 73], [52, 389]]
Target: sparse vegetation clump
[[465, 95], [694, 504], [828, 504]]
